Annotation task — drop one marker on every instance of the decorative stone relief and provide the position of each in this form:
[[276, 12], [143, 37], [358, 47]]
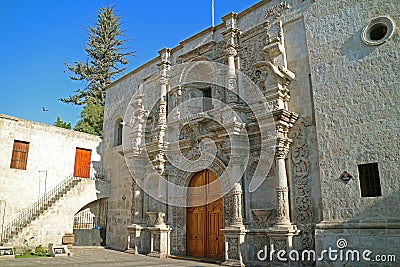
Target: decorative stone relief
[[203, 49], [301, 168], [277, 245], [276, 11], [179, 228], [133, 205], [259, 244], [233, 207], [280, 244], [264, 218], [233, 248]]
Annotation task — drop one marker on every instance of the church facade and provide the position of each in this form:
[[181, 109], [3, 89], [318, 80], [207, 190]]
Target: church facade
[[275, 130]]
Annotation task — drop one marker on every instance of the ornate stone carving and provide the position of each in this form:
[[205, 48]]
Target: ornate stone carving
[[301, 168], [233, 248], [282, 209], [198, 51], [280, 244], [276, 11], [230, 51], [133, 204], [264, 218], [233, 207]]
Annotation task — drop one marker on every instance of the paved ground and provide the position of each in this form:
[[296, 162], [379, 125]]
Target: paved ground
[[100, 257]]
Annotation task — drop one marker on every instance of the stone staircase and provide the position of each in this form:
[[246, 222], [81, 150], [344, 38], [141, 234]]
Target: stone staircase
[[48, 219]]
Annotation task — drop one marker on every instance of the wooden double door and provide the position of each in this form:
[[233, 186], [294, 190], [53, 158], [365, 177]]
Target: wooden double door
[[205, 221]]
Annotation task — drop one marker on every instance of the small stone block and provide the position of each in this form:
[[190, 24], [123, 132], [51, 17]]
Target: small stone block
[[7, 253], [59, 250]]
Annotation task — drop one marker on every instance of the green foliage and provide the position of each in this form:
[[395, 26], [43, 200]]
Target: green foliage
[[62, 124], [105, 59], [92, 119], [40, 251], [26, 250]]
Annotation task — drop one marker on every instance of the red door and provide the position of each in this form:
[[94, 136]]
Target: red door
[[82, 163]]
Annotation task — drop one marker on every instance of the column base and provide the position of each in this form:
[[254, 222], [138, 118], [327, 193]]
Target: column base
[[233, 263], [234, 238], [160, 241]]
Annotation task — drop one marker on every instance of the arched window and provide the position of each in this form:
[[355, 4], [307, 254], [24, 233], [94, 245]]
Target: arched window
[[118, 132]]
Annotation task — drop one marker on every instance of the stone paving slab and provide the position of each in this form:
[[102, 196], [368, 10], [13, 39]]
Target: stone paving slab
[[100, 257]]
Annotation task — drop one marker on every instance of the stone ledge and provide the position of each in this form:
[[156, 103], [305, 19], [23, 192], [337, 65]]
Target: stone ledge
[[385, 224]]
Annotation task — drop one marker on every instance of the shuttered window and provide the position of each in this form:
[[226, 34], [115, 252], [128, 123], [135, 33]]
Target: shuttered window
[[19, 156]]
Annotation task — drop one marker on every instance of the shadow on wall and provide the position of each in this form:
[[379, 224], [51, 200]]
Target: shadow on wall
[[90, 224], [98, 165], [354, 48]]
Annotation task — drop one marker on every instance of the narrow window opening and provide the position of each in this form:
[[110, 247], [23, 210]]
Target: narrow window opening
[[370, 183], [118, 133], [207, 101]]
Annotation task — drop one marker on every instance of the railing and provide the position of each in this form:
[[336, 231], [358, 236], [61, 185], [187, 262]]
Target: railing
[[84, 220], [37, 208]]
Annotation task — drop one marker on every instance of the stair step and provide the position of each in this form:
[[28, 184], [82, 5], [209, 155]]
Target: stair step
[[27, 218]]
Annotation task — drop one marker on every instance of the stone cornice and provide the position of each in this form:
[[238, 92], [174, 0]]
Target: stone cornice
[[198, 51]]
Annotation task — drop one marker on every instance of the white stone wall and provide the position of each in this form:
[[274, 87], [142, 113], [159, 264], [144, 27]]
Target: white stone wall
[[51, 159], [347, 96], [58, 219], [357, 100]]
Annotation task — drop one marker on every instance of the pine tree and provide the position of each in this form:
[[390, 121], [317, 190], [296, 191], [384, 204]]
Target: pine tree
[[62, 124], [106, 57]]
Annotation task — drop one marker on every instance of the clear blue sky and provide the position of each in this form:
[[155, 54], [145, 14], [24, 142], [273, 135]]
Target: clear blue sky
[[37, 37]]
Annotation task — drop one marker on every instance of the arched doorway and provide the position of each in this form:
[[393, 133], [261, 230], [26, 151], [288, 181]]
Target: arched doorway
[[204, 221]]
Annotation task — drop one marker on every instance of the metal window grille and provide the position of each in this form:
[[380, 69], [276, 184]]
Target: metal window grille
[[370, 183]]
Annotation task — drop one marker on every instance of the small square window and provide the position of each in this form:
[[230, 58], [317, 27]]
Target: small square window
[[370, 183], [19, 156]]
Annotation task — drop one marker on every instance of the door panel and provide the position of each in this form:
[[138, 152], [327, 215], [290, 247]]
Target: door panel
[[196, 231], [216, 239], [204, 237], [82, 163]]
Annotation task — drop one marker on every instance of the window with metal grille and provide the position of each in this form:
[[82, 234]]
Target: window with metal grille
[[370, 183], [19, 156]]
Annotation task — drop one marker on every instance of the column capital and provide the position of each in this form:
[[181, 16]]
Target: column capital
[[231, 51], [282, 148]]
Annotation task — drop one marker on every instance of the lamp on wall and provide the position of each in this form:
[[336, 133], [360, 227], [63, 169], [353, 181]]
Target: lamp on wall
[[345, 177]]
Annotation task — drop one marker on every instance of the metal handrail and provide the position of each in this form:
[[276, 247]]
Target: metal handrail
[[42, 204]]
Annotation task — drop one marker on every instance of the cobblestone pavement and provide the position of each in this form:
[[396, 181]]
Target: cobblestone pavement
[[100, 257]]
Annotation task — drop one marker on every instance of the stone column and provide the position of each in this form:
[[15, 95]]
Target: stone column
[[282, 189], [234, 231], [164, 66], [230, 36], [159, 131]]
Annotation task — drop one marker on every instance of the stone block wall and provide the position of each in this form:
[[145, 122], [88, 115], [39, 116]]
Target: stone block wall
[[51, 159], [357, 100]]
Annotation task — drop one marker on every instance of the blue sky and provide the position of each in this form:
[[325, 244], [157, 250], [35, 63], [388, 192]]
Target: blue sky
[[37, 37]]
